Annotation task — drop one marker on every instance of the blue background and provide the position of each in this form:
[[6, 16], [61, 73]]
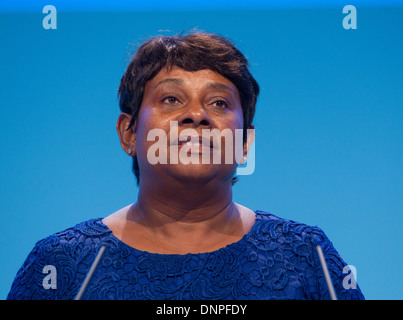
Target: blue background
[[329, 140]]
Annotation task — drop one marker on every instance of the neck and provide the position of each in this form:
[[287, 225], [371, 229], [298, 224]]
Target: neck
[[187, 217], [179, 219], [185, 202]]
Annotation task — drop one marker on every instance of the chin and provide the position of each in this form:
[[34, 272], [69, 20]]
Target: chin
[[197, 173]]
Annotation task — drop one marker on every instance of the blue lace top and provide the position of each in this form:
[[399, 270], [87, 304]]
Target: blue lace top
[[276, 259]]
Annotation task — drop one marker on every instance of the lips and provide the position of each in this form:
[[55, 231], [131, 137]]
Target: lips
[[197, 141], [194, 141]]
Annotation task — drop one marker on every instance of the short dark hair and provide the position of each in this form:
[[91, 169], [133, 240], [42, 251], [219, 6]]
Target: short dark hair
[[192, 52]]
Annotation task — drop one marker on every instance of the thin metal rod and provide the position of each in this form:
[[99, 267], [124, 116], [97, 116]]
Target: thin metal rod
[[89, 274], [326, 273]]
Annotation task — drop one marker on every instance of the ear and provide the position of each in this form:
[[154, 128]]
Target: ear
[[127, 136], [250, 138]]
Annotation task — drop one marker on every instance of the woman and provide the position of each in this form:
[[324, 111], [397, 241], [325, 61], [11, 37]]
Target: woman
[[185, 238]]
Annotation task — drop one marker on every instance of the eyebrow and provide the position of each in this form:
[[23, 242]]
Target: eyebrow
[[219, 86], [211, 85], [170, 80]]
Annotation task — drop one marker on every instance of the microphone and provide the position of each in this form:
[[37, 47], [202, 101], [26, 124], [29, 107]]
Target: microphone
[[90, 272], [326, 273]]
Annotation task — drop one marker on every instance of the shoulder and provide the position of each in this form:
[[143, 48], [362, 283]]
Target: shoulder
[[65, 252], [275, 227], [85, 235], [296, 243], [74, 242], [292, 236], [293, 241]]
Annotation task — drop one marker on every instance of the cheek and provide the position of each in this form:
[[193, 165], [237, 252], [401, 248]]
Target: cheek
[[146, 121], [234, 124], [151, 133], [235, 152], [235, 119], [143, 126]]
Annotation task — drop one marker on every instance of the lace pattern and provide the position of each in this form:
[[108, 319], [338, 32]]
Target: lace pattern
[[276, 260]]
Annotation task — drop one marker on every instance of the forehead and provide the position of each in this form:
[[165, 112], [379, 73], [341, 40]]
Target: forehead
[[200, 79]]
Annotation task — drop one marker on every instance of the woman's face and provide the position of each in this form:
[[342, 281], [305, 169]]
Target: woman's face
[[188, 105]]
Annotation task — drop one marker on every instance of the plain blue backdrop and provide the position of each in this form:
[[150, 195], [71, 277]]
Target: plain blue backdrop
[[329, 137]]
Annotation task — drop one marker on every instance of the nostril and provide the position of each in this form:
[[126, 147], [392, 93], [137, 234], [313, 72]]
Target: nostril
[[204, 122], [195, 121], [187, 120]]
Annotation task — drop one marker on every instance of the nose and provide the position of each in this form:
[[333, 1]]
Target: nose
[[195, 115]]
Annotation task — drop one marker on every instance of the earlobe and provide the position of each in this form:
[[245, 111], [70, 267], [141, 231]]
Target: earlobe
[[126, 134], [250, 138], [131, 151]]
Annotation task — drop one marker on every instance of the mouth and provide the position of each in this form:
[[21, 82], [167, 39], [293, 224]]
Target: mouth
[[196, 143]]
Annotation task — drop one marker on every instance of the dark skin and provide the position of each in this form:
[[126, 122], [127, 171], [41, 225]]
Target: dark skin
[[182, 208]]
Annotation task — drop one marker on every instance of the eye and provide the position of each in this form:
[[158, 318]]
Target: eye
[[220, 104], [170, 100]]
